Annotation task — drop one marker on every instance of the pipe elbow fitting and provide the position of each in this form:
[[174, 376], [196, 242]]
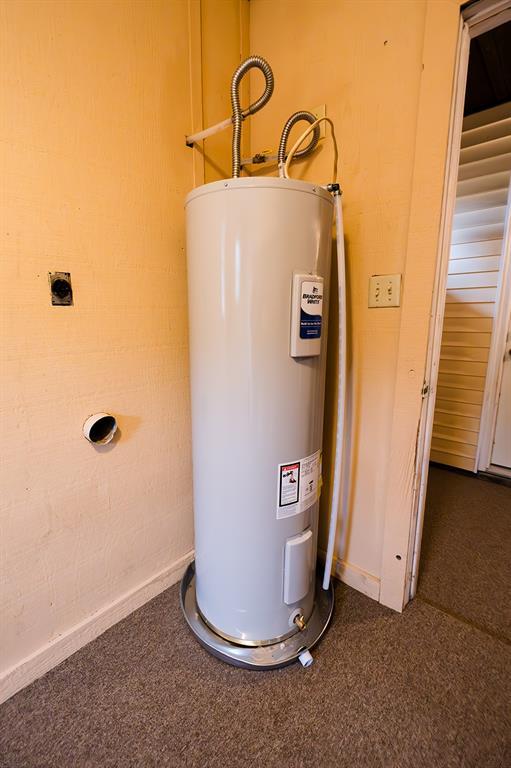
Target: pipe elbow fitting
[[300, 622]]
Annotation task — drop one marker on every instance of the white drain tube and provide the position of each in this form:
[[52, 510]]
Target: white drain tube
[[341, 378], [305, 657], [341, 391]]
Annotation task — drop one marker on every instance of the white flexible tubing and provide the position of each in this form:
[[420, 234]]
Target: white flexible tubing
[[284, 172], [341, 393], [195, 137], [341, 381]]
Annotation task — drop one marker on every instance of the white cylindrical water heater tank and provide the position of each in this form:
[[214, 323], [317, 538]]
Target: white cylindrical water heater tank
[[258, 271]]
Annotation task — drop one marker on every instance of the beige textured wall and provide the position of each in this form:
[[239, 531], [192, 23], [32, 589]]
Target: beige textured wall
[[224, 44], [364, 60], [95, 105]]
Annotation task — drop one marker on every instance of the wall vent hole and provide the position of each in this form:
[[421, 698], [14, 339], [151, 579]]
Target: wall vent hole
[[61, 288], [102, 429]]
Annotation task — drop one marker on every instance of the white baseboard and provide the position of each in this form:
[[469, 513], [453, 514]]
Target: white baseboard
[[357, 578], [41, 661]]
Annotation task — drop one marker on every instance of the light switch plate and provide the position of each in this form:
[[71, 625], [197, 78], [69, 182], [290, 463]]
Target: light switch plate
[[384, 290]]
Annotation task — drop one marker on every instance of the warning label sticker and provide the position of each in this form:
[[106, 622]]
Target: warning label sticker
[[298, 485], [289, 484], [310, 478]]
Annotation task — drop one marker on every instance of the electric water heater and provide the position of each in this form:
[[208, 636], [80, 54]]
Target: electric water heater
[[258, 253]]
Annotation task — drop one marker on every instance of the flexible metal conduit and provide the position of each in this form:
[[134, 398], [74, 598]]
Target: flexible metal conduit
[[296, 118], [238, 114]]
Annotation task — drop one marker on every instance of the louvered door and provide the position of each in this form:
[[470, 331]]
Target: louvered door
[[474, 265]]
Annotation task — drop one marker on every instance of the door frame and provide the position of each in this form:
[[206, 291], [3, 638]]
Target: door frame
[[475, 20]]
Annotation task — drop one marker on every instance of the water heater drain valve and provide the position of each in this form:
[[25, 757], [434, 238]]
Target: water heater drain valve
[[300, 622]]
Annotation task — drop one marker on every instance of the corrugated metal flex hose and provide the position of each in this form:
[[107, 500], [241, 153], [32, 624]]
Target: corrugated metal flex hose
[[284, 171], [238, 114], [297, 117]]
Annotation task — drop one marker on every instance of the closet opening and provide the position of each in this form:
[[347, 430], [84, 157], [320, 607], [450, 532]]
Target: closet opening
[[463, 501]]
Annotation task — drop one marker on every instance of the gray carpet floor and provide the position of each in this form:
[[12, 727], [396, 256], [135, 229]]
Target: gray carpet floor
[[423, 689], [466, 549]]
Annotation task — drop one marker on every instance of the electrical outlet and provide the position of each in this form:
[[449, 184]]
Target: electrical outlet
[[320, 112], [384, 290]]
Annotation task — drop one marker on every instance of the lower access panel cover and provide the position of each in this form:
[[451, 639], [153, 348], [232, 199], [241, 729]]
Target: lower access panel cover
[[297, 567]]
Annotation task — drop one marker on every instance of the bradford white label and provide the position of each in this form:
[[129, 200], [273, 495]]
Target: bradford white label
[[311, 310]]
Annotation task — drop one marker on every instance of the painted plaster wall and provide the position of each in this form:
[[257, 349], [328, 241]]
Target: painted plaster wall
[[365, 61], [95, 105], [224, 44]]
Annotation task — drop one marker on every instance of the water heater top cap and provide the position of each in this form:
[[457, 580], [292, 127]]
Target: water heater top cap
[[264, 182]]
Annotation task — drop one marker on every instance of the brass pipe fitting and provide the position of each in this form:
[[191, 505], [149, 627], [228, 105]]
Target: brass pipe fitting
[[300, 622]]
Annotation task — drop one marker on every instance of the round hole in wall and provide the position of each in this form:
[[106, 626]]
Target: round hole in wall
[[100, 428], [398, 557], [61, 288]]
